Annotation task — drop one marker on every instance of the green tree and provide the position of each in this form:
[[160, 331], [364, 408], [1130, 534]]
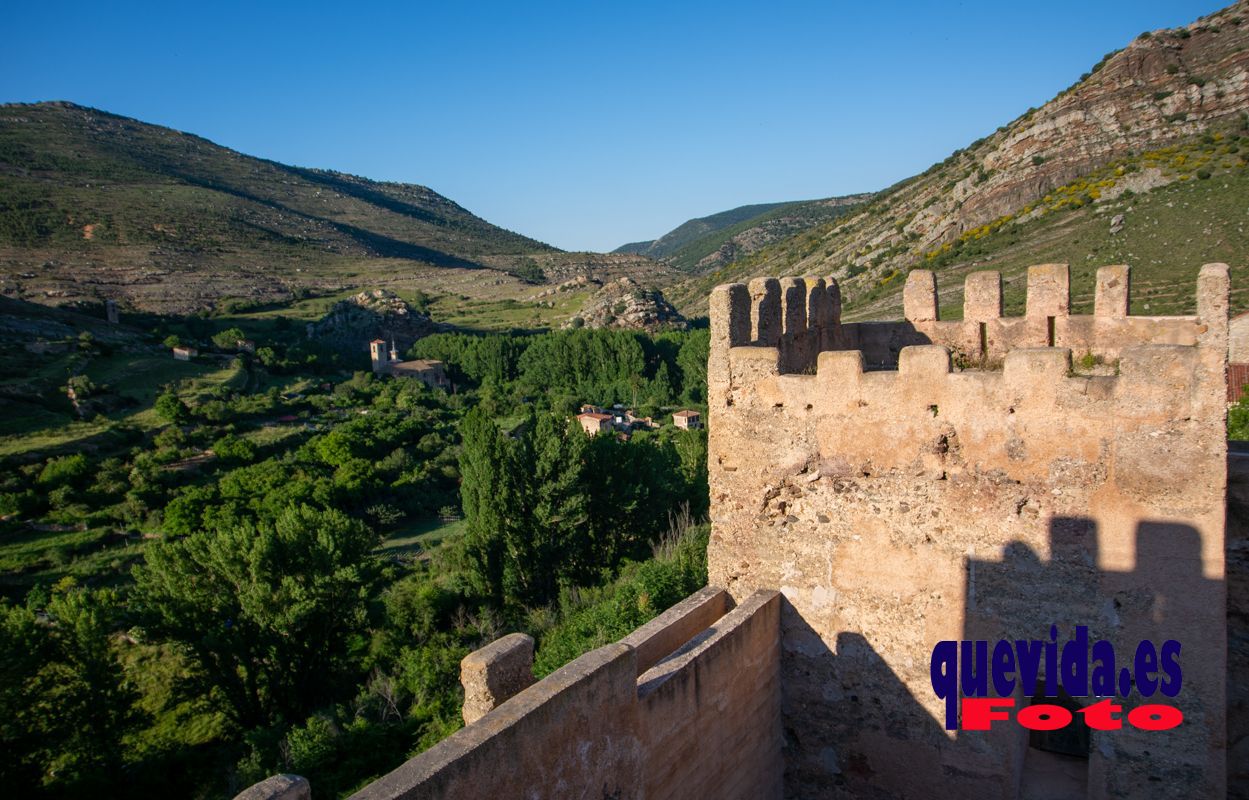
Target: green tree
[[234, 448], [228, 339], [64, 705], [171, 408], [692, 359], [1238, 420], [661, 392], [691, 447], [549, 546], [64, 470], [82, 386], [274, 613], [488, 499]]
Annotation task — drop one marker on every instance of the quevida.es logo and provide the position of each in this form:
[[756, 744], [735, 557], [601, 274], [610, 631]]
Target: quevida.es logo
[[984, 678]]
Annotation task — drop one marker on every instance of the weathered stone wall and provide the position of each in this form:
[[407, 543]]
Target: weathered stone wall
[[896, 509], [571, 732], [686, 706], [710, 713], [985, 335], [495, 673]]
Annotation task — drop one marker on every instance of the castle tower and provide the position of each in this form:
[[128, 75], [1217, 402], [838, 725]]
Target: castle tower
[[110, 312], [897, 501]]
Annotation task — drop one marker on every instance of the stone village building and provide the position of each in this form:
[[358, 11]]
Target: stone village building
[[687, 420], [386, 362], [868, 500], [594, 422]]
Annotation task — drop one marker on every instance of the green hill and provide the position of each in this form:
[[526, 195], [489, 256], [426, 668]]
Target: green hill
[[708, 242], [89, 198], [693, 229]]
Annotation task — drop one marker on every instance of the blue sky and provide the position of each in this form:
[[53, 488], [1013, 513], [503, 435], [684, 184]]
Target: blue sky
[[584, 124]]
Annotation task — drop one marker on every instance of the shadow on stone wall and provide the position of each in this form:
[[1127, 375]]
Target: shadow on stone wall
[[1163, 596], [1238, 620], [865, 734], [867, 707], [881, 342]]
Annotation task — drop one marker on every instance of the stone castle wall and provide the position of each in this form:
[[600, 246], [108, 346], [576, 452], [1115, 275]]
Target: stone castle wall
[[686, 706], [802, 317], [896, 508]]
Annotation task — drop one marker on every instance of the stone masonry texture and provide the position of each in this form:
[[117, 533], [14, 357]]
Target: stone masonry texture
[[896, 501]]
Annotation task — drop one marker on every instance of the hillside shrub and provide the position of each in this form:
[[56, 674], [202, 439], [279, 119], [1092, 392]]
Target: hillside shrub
[[641, 593], [64, 471]]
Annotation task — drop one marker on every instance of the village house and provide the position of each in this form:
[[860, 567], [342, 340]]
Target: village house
[[185, 353], [594, 419], [593, 422], [687, 420]]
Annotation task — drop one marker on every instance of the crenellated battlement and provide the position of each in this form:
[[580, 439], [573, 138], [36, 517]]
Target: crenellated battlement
[[904, 483], [801, 317], [781, 360]]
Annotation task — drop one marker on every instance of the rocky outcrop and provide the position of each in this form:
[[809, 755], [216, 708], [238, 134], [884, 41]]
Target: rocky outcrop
[[575, 284], [1164, 87], [378, 314], [626, 305]]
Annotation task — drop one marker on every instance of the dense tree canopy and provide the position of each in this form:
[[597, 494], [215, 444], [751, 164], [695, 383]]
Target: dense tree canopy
[[64, 705], [283, 570], [269, 610]]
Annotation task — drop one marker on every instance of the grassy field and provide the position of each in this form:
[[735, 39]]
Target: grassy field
[[422, 537], [505, 314], [29, 427], [29, 557]]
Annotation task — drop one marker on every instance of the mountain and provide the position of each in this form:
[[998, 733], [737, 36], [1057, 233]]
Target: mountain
[[706, 243], [693, 229], [94, 205], [1152, 127]]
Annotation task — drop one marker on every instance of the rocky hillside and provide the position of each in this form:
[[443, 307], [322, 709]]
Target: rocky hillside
[[1121, 128], [95, 205], [378, 314], [625, 304]]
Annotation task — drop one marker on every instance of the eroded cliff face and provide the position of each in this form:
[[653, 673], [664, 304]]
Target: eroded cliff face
[[1164, 87], [1169, 85]]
